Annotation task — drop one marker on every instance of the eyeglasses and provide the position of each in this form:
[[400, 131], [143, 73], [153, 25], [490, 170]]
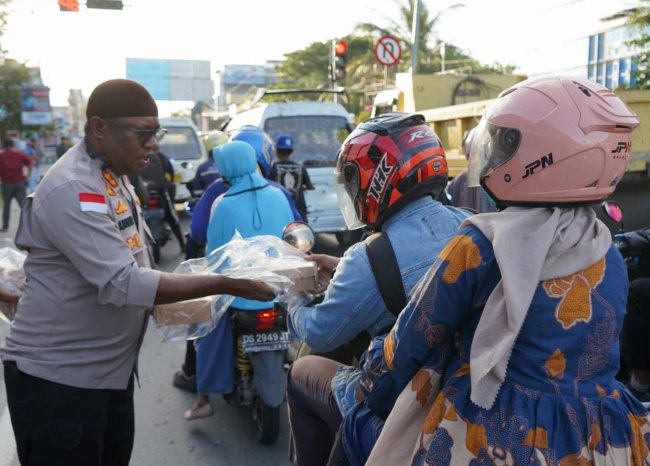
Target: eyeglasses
[[144, 134]]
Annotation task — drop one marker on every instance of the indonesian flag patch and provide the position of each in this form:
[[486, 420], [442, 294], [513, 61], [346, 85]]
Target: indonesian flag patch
[[92, 202]]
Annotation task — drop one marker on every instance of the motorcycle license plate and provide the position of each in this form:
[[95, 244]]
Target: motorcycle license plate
[[271, 341]]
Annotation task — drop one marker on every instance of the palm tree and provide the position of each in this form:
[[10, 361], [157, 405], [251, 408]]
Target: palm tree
[[401, 29]]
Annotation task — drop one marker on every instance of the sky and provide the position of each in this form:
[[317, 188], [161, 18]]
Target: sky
[[80, 50]]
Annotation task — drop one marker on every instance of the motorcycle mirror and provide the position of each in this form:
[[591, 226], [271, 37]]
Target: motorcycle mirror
[[300, 236], [613, 210]]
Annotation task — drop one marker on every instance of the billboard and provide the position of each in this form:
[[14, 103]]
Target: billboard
[[35, 105], [173, 79], [244, 74]]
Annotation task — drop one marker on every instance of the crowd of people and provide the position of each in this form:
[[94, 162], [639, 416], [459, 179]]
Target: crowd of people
[[477, 323]]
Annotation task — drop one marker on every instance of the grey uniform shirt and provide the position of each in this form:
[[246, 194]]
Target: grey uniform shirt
[[90, 285]]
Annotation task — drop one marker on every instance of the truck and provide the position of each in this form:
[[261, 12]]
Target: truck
[[451, 103]]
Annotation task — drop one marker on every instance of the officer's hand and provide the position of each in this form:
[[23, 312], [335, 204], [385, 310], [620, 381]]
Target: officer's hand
[[250, 289], [326, 266], [8, 297]]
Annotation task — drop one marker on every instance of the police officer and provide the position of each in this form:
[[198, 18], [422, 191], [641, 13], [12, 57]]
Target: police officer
[[71, 354]]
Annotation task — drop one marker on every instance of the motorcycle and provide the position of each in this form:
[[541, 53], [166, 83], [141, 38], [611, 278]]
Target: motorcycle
[[637, 260], [154, 214], [261, 340]]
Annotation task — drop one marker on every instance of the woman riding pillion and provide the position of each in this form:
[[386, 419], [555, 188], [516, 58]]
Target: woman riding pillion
[[251, 207], [509, 349]]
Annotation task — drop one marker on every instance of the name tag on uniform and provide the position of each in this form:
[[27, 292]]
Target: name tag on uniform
[[126, 223]]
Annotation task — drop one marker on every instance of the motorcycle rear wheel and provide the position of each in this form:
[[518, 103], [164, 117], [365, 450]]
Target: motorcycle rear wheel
[[266, 421]]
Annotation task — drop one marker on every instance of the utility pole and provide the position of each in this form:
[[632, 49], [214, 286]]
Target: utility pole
[[415, 32]]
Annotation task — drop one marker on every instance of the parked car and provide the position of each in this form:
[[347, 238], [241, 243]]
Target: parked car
[[318, 129], [184, 148]]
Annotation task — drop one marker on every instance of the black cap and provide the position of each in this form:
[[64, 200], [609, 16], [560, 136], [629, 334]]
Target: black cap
[[120, 98]]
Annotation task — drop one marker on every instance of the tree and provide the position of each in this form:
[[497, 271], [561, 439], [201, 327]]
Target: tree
[[12, 75], [3, 15], [401, 29], [429, 44], [306, 68], [640, 19], [309, 69]]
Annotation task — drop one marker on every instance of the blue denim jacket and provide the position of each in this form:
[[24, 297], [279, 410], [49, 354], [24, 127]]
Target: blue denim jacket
[[352, 302]]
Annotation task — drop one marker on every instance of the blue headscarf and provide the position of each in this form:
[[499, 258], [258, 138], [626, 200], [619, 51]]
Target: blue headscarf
[[235, 160], [237, 163]]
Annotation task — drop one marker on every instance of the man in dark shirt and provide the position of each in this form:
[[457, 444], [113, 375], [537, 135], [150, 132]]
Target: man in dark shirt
[[13, 178], [63, 147], [290, 174], [157, 177]]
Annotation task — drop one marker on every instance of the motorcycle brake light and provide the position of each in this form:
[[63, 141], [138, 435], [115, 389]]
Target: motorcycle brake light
[[152, 202], [266, 319]]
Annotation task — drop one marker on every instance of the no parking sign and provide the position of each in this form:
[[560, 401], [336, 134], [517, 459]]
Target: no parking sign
[[388, 51]]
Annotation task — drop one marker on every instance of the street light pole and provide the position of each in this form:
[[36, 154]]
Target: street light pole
[[415, 32]]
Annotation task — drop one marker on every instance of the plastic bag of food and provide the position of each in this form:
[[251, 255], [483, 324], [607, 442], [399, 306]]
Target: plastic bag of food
[[263, 258], [12, 280]]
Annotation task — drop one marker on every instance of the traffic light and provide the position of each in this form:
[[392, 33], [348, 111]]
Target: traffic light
[[340, 59], [104, 4], [69, 5]]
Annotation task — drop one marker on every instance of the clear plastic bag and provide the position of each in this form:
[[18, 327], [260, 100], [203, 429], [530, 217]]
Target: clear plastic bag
[[263, 258], [12, 279]]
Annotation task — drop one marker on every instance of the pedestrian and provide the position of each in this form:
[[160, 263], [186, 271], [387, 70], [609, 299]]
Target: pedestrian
[[37, 155], [508, 352], [12, 174], [290, 174], [70, 357], [63, 146]]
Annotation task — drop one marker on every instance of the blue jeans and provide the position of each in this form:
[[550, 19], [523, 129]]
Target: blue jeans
[[59, 425], [33, 179]]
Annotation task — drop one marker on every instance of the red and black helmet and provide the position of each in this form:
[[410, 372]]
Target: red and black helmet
[[386, 163]]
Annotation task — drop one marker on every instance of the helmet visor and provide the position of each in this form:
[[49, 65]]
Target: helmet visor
[[492, 146], [348, 182]]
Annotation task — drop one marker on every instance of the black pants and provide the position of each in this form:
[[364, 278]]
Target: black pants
[[171, 217], [59, 425], [314, 416], [636, 326], [16, 191], [189, 365]]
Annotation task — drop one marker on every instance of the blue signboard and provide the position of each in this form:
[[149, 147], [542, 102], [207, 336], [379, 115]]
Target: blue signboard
[[152, 74]]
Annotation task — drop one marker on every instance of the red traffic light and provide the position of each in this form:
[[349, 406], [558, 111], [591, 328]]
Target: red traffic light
[[68, 5], [341, 47]]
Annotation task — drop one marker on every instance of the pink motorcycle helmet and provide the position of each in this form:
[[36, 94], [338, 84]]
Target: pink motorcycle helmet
[[552, 141]]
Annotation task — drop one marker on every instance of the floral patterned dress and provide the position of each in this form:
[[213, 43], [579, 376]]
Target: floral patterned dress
[[559, 404]]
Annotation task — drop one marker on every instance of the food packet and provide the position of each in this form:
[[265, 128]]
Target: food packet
[[263, 258], [12, 279]]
